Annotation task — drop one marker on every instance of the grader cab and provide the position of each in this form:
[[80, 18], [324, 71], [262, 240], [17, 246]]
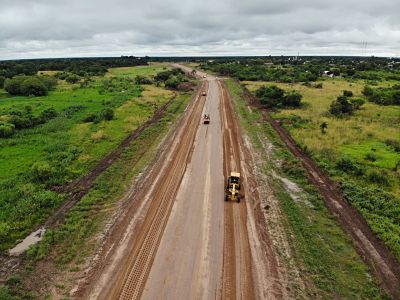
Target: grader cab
[[232, 191]]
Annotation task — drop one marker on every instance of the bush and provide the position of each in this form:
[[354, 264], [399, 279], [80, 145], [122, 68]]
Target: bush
[[13, 85], [41, 171], [29, 85], [394, 144], [348, 93], [357, 103], [72, 78], [90, 118], [107, 114], [270, 96], [346, 165], [172, 82], [341, 106], [2, 80], [142, 80], [378, 178], [367, 91], [371, 157], [6, 129], [48, 114], [292, 99]]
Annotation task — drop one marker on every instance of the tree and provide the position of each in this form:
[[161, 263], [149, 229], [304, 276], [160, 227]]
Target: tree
[[33, 86], [270, 95], [341, 106], [142, 80], [72, 78], [292, 99], [172, 82], [323, 127], [367, 91], [2, 80], [13, 85], [347, 93]]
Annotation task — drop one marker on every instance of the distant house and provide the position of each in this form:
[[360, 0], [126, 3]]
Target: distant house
[[328, 74]]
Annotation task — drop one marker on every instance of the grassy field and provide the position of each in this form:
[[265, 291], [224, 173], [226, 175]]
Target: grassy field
[[36, 159], [364, 141], [321, 249]]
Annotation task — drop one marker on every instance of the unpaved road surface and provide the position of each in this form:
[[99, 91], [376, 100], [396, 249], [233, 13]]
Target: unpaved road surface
[[178, 239]]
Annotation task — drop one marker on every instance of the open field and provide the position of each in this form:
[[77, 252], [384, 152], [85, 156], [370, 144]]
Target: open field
[[361, 138], [65, 147]]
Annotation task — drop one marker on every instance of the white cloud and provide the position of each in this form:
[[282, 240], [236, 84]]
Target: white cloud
[[55, 28]]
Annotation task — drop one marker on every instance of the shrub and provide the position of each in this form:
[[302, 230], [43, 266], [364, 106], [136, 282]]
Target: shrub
[[2, 80], [378, 178], [107, 114], [41, 171], [33, 86], [367, 91], [90, 118], [6, 129], [347, 93], [72, 78], [371, 157], [341, 106], [270, 96], [13, 85], [292, 99], [394, 144], [172, 82], [357, 103], [142, 80], [48, 114], [346, 165]]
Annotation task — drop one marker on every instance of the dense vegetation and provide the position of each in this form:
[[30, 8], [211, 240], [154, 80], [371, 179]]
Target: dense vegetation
[[383, 95], [273, 96], [304, 69], [30, 85], [78, 66]]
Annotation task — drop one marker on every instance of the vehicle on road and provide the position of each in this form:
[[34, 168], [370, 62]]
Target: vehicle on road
[[233, 187], [204, 93], [206, 119], [204, 76]]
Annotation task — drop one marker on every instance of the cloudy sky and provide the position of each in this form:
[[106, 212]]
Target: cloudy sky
[[70, 28]]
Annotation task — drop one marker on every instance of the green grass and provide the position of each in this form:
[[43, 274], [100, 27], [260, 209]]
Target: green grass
[[353, 136], [361, 138], [69, 146], [323, 251], [382, 155], [132, 72]]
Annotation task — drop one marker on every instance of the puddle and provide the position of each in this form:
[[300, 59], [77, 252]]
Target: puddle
[[31, 239]]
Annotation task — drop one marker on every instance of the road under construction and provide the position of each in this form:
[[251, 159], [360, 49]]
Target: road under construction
[[178, 238]]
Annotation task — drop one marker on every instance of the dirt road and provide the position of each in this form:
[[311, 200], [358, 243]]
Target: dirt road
[[178, 239]]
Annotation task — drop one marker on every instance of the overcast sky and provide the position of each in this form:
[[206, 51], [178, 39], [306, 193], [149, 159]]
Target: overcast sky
[[70, 28]]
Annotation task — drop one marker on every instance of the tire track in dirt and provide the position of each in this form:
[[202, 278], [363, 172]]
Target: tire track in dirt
[[111, 267], [130, 285], [237, 281]]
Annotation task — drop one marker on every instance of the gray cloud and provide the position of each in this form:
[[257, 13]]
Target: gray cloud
[[55, 28]]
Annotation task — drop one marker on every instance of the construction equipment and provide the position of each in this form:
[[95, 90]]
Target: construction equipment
[[233, 187], [206, 119]]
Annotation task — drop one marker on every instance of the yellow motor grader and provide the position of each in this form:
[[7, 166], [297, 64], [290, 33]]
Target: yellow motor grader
[[232, 191]]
